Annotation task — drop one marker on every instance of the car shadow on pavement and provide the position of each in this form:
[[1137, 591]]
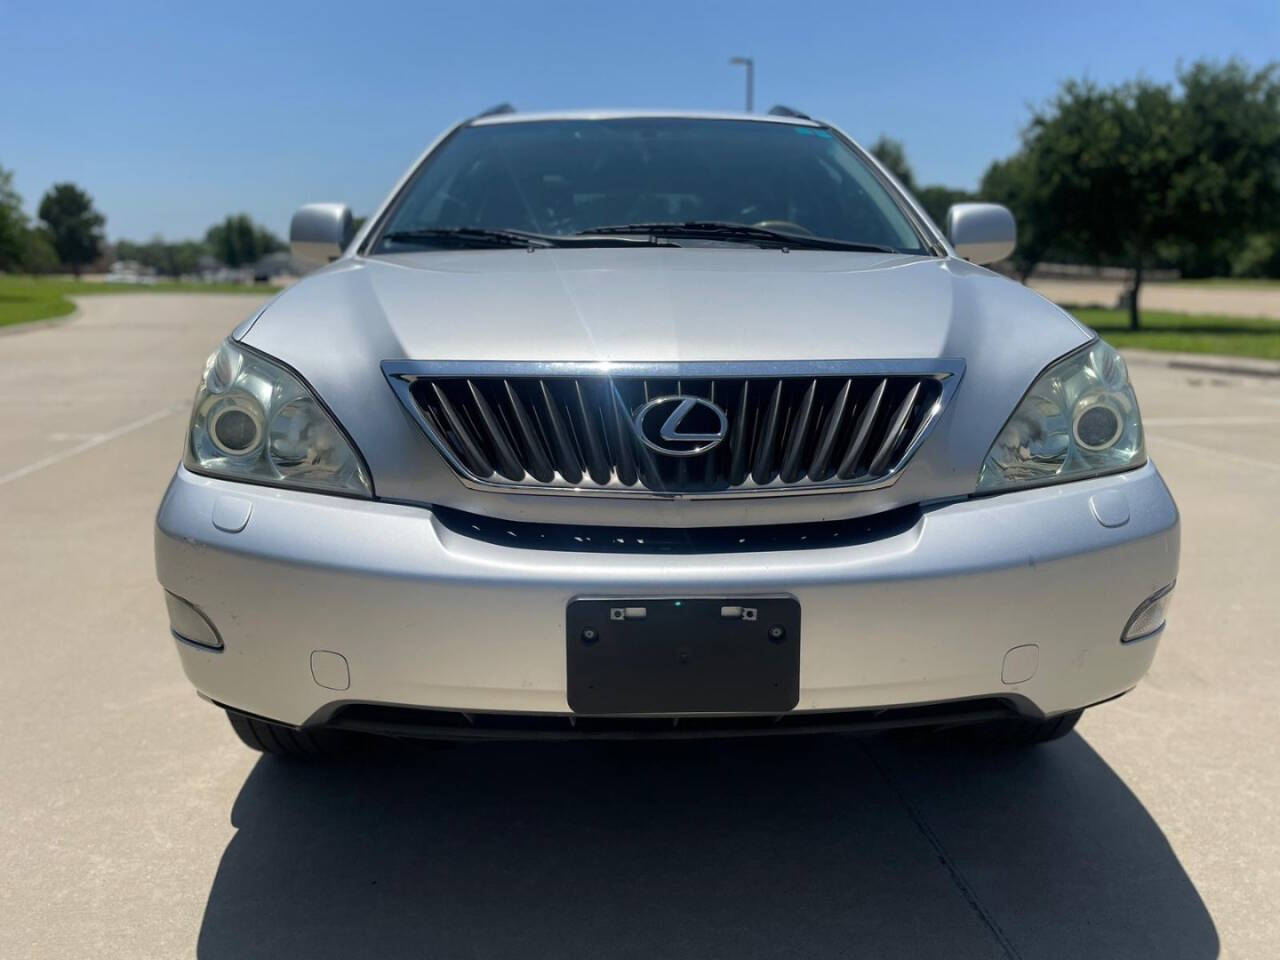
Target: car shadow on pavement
[[783, 847]]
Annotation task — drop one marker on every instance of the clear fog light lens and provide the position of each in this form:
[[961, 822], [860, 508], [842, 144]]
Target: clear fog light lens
[[189, 624], [1150, 616]]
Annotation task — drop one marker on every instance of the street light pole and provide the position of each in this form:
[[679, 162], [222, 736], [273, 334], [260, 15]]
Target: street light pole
[[750, 64]]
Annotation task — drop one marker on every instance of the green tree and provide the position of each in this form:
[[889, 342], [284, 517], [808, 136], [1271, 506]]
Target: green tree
[[38, 255], [937, 200], [1126, 174], [1013, 182], [13, 223], [237, 241], [169, 259], [893, 155], [1258, 257], [75, 228], [1229, 184]]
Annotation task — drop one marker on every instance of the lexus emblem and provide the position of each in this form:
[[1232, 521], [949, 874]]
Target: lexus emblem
[[681, 426]]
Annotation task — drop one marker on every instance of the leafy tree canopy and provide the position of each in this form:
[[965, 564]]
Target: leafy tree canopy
[[38, 255], [1120, 174], [937, 200], [13, 223], [893, 155], [237, 241], [170, 259], [75, 228]]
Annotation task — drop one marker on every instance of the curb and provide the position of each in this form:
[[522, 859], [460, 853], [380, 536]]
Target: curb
[[46, 323], [1204, 363]]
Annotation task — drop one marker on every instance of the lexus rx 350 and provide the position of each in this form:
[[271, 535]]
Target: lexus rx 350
[[624, 424]]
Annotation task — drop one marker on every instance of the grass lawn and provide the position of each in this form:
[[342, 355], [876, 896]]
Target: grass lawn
[[1187, 332], [23, 299]]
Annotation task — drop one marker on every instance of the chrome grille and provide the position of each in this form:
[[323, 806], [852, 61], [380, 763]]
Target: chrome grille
[[568, 427]]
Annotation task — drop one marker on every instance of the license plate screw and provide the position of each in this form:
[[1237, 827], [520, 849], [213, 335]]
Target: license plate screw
[[777, 634]]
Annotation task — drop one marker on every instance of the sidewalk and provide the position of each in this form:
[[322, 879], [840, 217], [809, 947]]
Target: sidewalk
[[1207, 362], [1222, 300]]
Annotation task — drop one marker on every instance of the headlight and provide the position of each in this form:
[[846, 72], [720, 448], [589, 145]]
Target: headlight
[[254, 420], [1079, 419]]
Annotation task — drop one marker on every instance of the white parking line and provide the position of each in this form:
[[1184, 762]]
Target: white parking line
[[1216, 454], [95, 441]]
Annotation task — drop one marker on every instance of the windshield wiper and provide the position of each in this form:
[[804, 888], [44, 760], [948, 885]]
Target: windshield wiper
[[506, 237], [470, 236], [731, 232]]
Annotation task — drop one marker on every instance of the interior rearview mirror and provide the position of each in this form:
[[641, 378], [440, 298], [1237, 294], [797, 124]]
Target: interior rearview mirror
[[319, 232], [981, 232]]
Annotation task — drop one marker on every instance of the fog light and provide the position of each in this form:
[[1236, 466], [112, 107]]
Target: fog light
[[1149, 618], [186, 622]]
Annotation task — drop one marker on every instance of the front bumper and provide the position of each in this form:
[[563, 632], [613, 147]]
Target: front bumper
[[427, 617]]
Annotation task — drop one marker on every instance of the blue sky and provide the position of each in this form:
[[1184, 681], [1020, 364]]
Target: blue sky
[[173, 114]]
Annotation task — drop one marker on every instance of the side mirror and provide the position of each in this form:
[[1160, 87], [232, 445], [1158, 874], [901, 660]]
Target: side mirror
[[319, 232], [982, 232]]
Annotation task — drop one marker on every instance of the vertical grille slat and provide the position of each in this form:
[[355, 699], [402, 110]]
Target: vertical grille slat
[[798, 437], [583, 432], [566, 457], [593, 442], [894, 433], [830, 430], [861, 433], [738, 433], [469, 447], [537, 460], [762, 468], [624, 456], [505, 455]]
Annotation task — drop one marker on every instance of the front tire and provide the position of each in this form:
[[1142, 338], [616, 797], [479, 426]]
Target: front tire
[[275, 738]]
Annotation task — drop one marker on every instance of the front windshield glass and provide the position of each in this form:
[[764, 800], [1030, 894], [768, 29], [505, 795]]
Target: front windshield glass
[[563, 177]]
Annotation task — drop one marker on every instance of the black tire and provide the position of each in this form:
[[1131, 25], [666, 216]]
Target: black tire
[[275, 738], [1025, 732]]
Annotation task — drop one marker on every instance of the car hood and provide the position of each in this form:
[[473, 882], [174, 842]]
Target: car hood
[[655, 304]]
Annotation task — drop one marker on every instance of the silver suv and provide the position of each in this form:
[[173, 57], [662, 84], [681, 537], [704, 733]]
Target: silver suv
[[660, 424]]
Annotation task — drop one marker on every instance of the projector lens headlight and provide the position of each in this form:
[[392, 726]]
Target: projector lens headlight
[[254, 420], [1079, 419]]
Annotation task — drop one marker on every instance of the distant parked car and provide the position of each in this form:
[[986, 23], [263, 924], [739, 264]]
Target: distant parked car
[[131, 272], [660, 425]]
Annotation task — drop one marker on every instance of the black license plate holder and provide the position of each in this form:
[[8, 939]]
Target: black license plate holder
[[683, 655]]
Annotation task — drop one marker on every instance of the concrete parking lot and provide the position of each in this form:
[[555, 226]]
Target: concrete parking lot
[[135, 825]]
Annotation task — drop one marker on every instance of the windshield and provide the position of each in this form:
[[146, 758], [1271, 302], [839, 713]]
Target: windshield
[[567, 177]]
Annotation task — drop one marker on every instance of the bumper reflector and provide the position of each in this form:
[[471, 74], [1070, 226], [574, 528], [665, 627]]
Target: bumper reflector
[[189, 624], [1149, 618]]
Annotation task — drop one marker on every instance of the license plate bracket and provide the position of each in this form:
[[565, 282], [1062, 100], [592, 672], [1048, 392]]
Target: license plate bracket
[[683, 655]]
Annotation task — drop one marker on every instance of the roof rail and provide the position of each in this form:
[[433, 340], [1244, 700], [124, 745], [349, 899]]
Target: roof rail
[[780, 110], [495, 111]]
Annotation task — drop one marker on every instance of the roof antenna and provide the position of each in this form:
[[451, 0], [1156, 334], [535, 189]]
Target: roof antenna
[[780, 110], [495, 111]]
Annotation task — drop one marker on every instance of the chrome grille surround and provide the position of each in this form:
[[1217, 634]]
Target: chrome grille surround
[[565, 427]]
